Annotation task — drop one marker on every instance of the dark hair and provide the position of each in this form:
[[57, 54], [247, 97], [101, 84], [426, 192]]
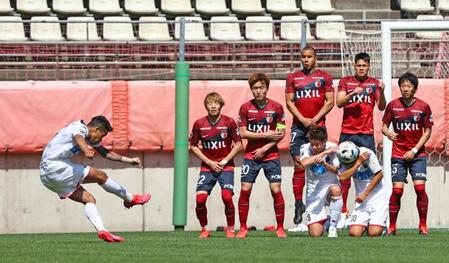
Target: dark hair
[[307, 47], [256, 77], [100, 122], [317, 133], [410, 77], [364, 56]]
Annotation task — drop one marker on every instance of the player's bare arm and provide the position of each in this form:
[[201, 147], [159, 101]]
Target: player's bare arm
[[269, 135], [390, 134], [374, 182], [113, 156], [290, 102], [215, 166], [352, 170], [344, 97], [88, 152], [424, 138], [327, 107], [235, 150], [382, 103]]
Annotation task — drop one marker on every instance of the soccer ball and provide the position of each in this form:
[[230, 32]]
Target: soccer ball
[[347, 152]]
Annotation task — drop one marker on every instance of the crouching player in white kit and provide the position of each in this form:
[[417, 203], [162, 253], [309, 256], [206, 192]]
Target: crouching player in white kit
[[371, 207], [63, 177], [323, 188]]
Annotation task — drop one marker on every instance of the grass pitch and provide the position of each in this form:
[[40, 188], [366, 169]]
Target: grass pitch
[[260, 246]]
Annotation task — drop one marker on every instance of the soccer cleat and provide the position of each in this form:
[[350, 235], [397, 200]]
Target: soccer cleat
[[137, 200], [299, 228], [300, 208], [391, 231], [108, 237], [342, 221], [332, 232], [242, 233], [423, 230], [230, 234], [204, 234], [280, 233], [269, 228]]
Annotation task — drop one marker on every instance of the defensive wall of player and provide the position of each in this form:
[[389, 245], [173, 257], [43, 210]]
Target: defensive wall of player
[[142, 113]]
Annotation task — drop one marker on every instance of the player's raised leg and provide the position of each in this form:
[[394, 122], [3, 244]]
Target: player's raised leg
[[129, 200], [84, 197]]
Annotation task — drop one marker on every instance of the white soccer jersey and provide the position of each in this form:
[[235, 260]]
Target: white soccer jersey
[[363, 177], [317, 175], [63, 146]]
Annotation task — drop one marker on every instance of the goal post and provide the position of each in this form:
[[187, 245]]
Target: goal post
[[387, 28]]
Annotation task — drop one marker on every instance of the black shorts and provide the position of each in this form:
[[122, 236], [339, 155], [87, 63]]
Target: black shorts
[[417, 167], [207, 181], [271, 169]]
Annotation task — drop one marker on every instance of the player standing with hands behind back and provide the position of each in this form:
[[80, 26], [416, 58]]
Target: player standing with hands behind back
[[309, 96], [262, 123], [412, 127]]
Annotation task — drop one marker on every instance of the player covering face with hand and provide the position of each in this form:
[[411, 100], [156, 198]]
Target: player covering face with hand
[[63, 177], [220, 140], [323, 189]]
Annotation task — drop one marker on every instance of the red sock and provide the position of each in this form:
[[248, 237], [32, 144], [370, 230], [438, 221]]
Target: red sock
[[298, 182], [201, 209], [279, 208], [226, 196], [345, 185], [422, 203], [243, 207], [395, 205]]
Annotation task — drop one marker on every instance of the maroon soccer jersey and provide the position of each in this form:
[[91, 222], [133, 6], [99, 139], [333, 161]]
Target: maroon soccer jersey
[[309, 92], [260, 120], [216, 139], [358, 114], [408, 123]]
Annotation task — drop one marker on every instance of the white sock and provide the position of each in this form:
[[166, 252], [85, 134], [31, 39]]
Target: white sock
[[335, 206], [112, 187], [93, 216]]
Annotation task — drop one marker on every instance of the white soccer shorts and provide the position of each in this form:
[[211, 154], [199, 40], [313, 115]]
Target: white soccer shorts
[[374, 215], [316, 206], [64, 178]]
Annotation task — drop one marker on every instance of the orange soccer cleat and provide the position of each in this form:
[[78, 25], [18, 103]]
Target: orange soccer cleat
[[242, 233], [137, 200], [423, 230], [281, 233], [204, 234], [108, 237]]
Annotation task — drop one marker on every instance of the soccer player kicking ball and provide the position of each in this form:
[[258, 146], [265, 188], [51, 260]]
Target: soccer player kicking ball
[[63, 177], [309, 96], [323, 189], [371, 206], [412, 127], [358, 95], [220, 139], [262, 123]]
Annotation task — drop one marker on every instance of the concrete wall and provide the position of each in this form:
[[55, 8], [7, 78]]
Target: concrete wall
[[26, 206]]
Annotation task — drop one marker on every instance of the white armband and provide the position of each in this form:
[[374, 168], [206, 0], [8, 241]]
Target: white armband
[[414, 150], [223, 162]]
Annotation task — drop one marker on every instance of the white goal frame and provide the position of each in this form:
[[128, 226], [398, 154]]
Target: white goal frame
[[387, 28]]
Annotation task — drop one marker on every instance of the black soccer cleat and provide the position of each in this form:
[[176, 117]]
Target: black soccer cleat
[[300, 208]]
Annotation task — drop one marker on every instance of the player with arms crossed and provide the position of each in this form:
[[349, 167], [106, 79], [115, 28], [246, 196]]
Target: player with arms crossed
[[63, 177], [412, 127], [309, 96], [323, 189], [371, 206], [358, 95], [262, 123], [220, 140]]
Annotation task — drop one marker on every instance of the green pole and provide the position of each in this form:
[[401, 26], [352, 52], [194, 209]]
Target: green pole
[[181, 145]]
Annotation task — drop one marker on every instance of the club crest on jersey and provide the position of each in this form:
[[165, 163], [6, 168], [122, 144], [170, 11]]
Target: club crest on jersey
[[318, 83], [416, 118], [269, 119], [224, 134]]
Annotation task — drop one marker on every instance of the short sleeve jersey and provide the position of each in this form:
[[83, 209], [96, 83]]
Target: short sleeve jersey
[[358, 113], [408, 122], [364, 176], [63, 146], [318, 177], [261, 120], [309, 92], [216, 139]]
